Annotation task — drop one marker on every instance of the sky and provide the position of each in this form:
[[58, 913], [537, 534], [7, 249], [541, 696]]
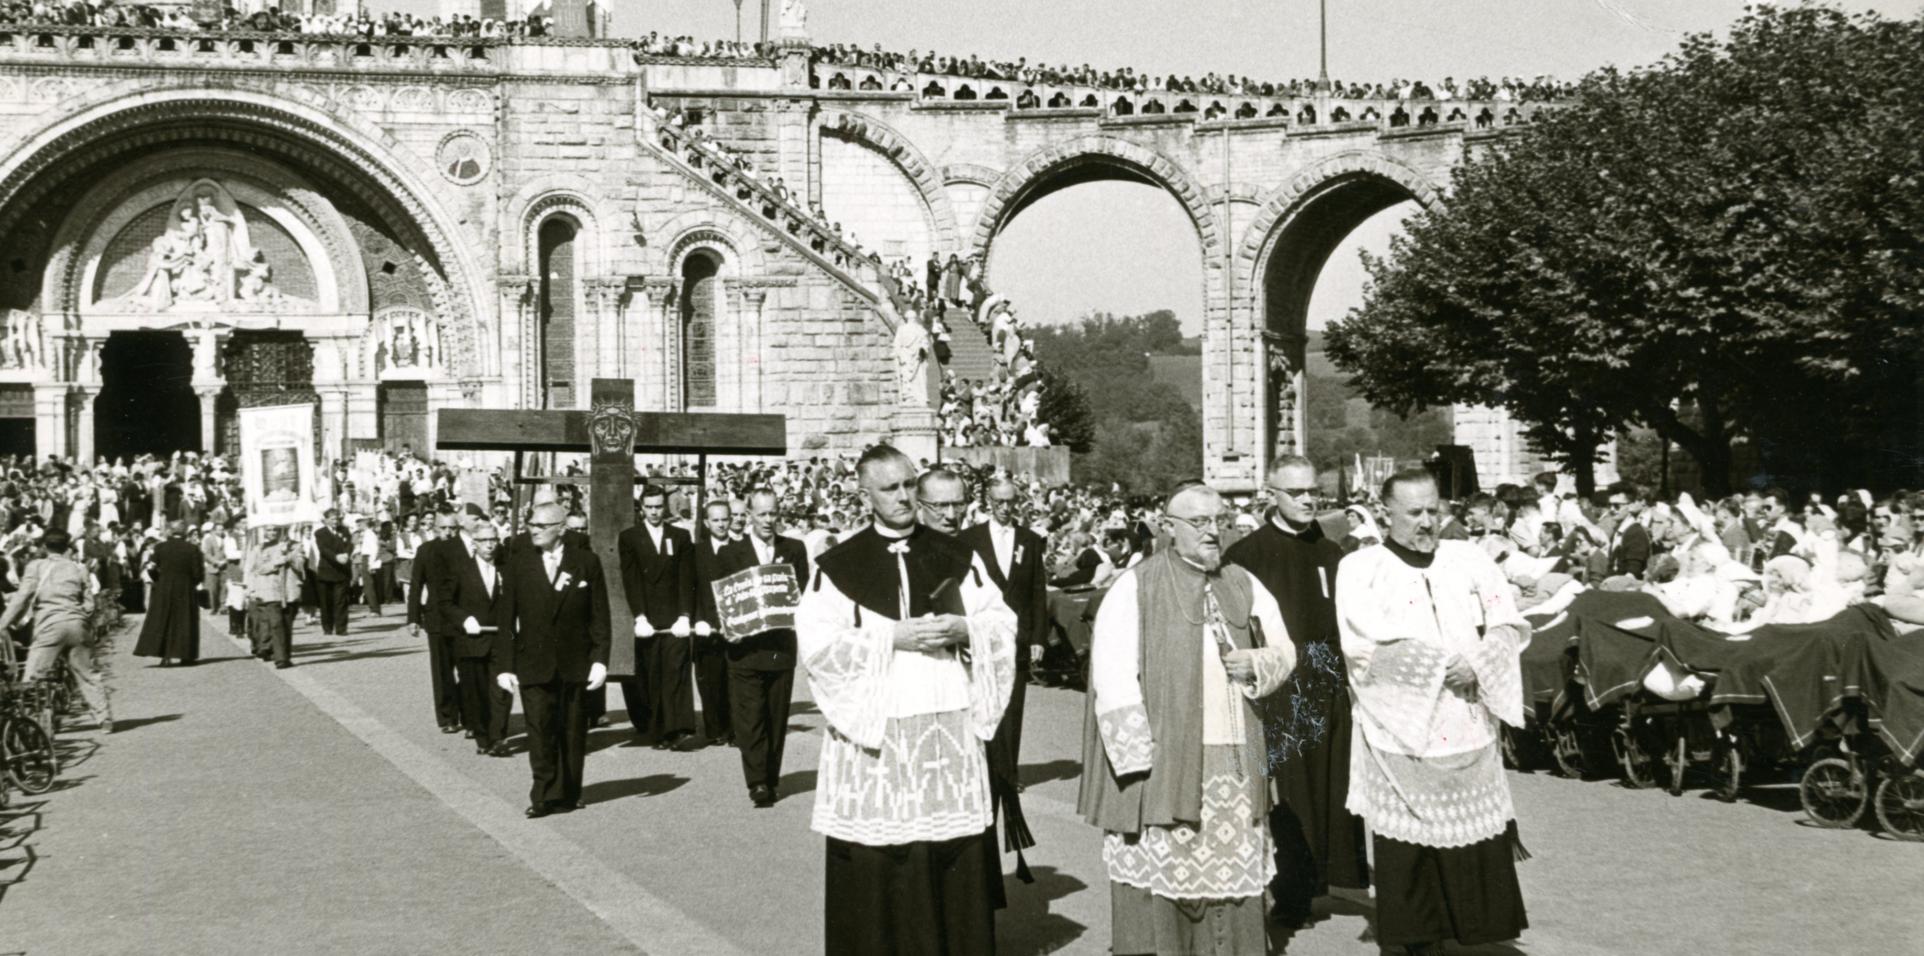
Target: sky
[[1128, 248]]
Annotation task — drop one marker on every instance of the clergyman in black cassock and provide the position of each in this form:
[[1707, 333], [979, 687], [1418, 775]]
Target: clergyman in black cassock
[[711, 658], [553, 647], [467, 595], [1319, 843], [658, 576], [171, 631], [761, 667], [429, 559]]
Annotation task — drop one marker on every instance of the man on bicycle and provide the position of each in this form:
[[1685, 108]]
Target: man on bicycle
[[60, 592]]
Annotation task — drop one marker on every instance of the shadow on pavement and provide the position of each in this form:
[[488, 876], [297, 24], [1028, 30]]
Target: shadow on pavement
[[1036, 773], [797, 783], [122, 726], [652, 785], [1027, 925], [1321, 909]]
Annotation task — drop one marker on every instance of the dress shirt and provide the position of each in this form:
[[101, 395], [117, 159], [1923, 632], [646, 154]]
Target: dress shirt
[[551, 562], [1002, 538]]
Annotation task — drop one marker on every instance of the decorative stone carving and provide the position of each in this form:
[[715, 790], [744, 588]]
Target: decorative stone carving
[[206, 261], [470, 101], [22, 346], [794, 19], [612, 428], [464, 157], [403, 340], [1282, 389]]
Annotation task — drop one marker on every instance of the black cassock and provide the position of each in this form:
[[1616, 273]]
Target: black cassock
[[172, 628], [1319, 843]]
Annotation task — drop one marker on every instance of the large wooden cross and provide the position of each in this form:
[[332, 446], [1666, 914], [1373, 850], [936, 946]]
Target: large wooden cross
[[613, 433]]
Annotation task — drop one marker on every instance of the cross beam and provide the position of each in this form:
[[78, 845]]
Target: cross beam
[[612, 433]]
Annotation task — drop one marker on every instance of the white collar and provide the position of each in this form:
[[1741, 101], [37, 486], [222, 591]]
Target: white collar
[[890, 533]]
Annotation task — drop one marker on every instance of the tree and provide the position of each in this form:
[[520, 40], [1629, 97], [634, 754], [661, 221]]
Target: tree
[[1065, 407], [1730, 242], [1135, 432]]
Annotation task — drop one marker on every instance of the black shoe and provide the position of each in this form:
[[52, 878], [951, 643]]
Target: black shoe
[[568, 806], [761, 797], [283, 665], [534, 813], [601, 721], [449, 729], [481, 749], [685, 743], [499, 750], [468, 734]]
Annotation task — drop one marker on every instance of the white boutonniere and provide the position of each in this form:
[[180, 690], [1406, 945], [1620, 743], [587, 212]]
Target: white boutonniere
[[1018, 555], [667, 546], [561, 583]]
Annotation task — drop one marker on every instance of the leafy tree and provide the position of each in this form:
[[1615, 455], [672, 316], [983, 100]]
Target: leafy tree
[[1728, 243], [1138, 433], [1065, 406]]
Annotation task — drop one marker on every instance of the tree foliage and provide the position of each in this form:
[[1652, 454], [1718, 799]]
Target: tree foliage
[[1730, 242], [1142, 434]]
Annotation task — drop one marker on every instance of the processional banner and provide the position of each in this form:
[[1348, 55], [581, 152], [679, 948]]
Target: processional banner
[[761, 598], [277, 464]]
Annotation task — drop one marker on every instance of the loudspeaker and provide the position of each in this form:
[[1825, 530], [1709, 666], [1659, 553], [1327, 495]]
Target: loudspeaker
[[1454, 468]]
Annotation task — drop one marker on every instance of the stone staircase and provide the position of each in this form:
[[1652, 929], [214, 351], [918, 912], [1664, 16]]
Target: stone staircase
[[759, 203], [971, 354]]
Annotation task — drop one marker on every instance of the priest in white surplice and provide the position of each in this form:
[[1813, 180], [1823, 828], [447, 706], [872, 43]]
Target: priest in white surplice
[[910, 653], [1174, 762], [1431, 633]]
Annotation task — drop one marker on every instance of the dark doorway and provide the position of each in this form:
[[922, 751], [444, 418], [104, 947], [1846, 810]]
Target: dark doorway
[[16, 420], [147, 403], [404, 415]]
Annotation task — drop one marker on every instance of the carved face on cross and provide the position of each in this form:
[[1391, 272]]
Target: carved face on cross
[[612, 429]]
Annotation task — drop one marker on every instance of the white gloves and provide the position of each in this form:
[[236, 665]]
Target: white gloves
[[681, 628], [597, 675], [471, 626], [643, 628], [702, 629], [508, 682]]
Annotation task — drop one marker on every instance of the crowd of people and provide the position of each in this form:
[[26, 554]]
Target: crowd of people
[[263, 18], [1129, 80]]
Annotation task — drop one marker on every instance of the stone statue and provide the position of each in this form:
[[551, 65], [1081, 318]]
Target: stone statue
[[794, 19], [404, 350], [205, 258], [206, 353], [21, 347], [913, 353]]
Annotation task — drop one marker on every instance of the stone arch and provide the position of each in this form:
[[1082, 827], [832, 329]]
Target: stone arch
[[1288, 242], [738, 241], [970, 174], [922, 173], [1024, 182], [359, 156], [551, 196], [725, 331]]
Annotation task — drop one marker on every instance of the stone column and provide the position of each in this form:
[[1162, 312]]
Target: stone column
[[749, 396], [209, 395], [50, 420], [83, 406], [330, 382]]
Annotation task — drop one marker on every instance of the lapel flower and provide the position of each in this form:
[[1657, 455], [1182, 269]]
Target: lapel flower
[[1017, 559]]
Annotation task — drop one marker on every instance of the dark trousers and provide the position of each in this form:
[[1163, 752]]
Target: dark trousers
[[334, 601], [663, 687], [447, 696], [1427, 894], [484, 705], [912, 899], [557, 739], [267, 631], [711, 678], [758, 702]]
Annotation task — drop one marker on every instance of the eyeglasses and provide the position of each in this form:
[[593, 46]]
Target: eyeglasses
[[1293, 492], [544, 524], [1211, 523], [945, 505]]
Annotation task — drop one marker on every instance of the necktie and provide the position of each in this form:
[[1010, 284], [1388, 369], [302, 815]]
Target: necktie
[[901, 549]]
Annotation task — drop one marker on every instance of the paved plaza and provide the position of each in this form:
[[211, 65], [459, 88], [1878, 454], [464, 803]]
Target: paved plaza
[[318, 810]]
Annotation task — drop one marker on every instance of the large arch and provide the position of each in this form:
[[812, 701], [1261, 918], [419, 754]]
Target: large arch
[[1088, 159], [1296, 228], [333, 145], [923, 174]]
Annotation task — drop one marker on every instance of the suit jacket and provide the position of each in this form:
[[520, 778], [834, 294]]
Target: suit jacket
[[1025, 588], [332, 545], [1632, 552], [459, 593], [660, 585], [548, 632], [421, 578], [769, 650], [709, 568]]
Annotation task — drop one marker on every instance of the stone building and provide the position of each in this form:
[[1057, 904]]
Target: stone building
[[196, 223]]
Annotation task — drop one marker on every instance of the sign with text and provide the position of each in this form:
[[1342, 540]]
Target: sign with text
[[277, 464], [761, 598]]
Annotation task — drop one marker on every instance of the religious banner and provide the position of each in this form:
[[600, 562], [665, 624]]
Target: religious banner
[[761, 598], [277, 464]]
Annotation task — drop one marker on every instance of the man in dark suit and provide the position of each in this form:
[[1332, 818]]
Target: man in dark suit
[[658, 575], [1017, 561], [467, 593], [1630, 541], [423, 620], [335, 572], [761, 667], [711, 659], [553, 647]]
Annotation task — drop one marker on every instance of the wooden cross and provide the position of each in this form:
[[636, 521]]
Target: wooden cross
[[613, 433]]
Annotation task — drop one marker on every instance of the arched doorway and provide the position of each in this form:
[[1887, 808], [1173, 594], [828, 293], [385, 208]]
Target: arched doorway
[[1292, 271], [700, 296], [147, 403], [558, 297]]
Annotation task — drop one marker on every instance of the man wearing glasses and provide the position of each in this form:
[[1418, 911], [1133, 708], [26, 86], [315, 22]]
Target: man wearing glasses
[[942, 500], [553, 649], [1182, 648], [467, 592], [1319, 843]]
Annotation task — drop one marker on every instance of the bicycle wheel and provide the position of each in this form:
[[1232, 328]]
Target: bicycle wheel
[[1900, 805], [28, 753], [1834, 792]]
